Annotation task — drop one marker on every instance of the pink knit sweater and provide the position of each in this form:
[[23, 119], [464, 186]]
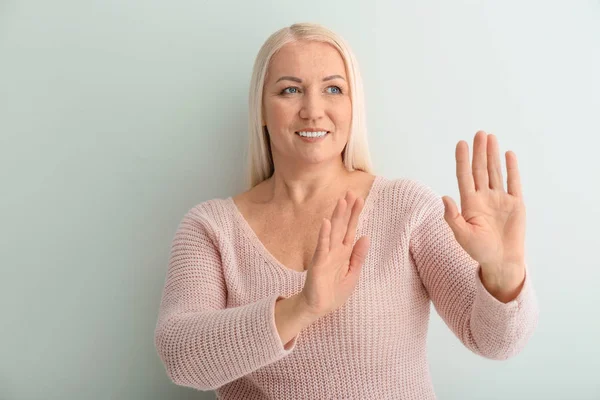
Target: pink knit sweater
[[216, 327]]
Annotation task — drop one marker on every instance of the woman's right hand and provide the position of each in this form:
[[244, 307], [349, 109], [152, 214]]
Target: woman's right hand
[[336, 263]]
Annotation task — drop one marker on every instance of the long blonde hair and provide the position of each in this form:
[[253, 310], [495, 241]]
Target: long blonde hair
[[356, 153]]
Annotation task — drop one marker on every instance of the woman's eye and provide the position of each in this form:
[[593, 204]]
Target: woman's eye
[[291, 87], [338, 88]]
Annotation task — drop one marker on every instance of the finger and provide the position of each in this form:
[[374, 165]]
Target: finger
[[493, 162], [338, 223], [480, 172], [455, 219], [466, 185], [350, 201], [323, 242], [359, 254], [514, 177], [351, 232]]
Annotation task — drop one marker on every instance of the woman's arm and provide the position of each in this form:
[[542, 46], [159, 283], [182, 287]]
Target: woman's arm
[[484, 324], [201, 343]]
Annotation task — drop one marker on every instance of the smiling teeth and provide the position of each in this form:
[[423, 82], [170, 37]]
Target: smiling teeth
[[312, 134]]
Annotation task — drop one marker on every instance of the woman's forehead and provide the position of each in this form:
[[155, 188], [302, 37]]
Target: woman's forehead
[[306, 60]]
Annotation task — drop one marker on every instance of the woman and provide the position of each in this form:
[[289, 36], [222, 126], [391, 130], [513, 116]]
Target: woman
[[316, 282]]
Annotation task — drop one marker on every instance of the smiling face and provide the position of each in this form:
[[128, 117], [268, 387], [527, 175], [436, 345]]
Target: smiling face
[[306, 87]]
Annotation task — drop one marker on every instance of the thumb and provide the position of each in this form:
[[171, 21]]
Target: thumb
[[454, 218]]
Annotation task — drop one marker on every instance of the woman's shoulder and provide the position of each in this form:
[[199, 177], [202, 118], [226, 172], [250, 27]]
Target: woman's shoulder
[[408, 196], [409, 188], [209, 215]]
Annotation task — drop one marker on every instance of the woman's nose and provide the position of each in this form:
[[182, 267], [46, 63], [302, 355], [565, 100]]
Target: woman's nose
[[313, 106]]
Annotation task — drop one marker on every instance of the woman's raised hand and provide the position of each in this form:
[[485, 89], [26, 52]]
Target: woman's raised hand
[[336, 263]]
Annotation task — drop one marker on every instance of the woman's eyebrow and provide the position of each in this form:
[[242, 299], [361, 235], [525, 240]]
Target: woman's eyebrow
[[293, 78]]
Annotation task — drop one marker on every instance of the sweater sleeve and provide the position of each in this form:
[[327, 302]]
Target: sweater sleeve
[[203, 344], [485, 325]]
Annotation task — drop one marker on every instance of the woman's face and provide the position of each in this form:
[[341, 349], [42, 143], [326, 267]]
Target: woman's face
[[306, 87]]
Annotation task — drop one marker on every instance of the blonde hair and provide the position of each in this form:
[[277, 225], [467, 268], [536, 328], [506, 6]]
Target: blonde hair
[[356, 153]]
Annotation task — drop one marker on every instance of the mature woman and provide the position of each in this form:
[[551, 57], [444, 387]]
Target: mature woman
[[316, 282]]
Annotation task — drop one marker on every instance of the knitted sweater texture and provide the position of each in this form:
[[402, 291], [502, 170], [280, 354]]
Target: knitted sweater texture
[[216, 328]]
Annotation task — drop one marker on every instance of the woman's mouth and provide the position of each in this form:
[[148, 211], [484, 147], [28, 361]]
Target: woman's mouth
[[311, 137]]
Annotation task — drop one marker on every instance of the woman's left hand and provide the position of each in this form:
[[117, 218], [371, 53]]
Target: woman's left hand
[[491, 226]]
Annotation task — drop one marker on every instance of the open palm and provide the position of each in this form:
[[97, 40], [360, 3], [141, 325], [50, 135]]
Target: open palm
[[491, 224]]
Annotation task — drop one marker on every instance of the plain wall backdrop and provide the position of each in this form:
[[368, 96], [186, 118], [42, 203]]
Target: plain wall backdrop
[[117, 117]]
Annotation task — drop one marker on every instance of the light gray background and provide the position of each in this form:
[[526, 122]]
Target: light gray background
[[117, 117]]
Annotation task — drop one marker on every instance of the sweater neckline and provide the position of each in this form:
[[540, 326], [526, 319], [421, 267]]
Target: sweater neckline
[[262, 250]]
